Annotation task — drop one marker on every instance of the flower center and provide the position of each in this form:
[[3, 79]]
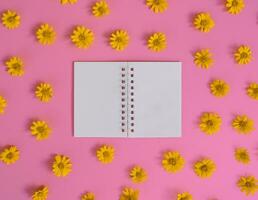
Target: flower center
[[255, 91], [172, 161], [61, 166], [204, 168], [235, 3], [46, 34], [244, 55], [156, 2], [16, 66], [248, 184], [41, 129], [219, 88], [204, 22], [243, 124], [106, 154], [243, 156], [156, 42], [138, 174], [119, 39], [101, 10], [11, 19], [82, 37], [9, 155], [204, 59], [45, 92], [209, 123]]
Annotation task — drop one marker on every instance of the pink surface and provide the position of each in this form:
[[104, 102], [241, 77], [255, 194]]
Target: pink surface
[[54, 64]]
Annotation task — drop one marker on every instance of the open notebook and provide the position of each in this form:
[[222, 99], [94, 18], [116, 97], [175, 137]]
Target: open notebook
[[127, 99]]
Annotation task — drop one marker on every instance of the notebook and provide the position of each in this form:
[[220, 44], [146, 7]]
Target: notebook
[[127, 99]]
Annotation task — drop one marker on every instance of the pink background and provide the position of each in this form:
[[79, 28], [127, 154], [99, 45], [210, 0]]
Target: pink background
[[53, 64]]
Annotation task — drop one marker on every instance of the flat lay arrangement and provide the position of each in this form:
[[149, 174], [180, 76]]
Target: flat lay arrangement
[[129, 100]]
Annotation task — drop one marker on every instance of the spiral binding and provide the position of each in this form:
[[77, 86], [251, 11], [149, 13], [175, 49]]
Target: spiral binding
[[124, 100], [131, 101], [127, 100]]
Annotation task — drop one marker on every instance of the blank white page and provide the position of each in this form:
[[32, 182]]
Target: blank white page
[[157, 99], [97, 99]]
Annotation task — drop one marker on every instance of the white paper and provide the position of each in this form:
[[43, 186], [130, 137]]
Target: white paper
[[156, 99]]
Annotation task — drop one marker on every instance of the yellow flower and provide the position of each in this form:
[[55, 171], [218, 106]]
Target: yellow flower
[[41, 193], [242, 155], [129, 194], [243, 55], [119, 40], [10, 155], [62, 165], [3, 104], [243, 125], [63, 2], [157, 6], [248, 184], [203, 22], [82, 37], [203, 59], [46, 34], [235, 6], [88, 196], [210, 123], [105, 154], [44, 92], [184, 196], [100, 9], [204, 168], [138, 174], [157, 42], [219, 88], [252, 90], [14, 66], [172, 161], [10, 19], [40, 130]]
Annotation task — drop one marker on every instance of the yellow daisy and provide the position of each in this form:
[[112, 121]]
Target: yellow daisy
[[157, 42], [40, 130], [100, 9], [210, 123], [173, 161], [203, 22], [157, 6], [129, 194], [63, 2], [138, 174], [204, 168], [3, 104], [252, 91], [82, 37], [105, 154], [46, 34], [41, 193], [184, 196], [203, 59], [235, 6], [62, 165], [15, 66], [10, 155], [243, 55], [242, 124], [242, 155], [219, 88], [88, 196], [10, 19], [119, 40], [44, 92], [248, 184]]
